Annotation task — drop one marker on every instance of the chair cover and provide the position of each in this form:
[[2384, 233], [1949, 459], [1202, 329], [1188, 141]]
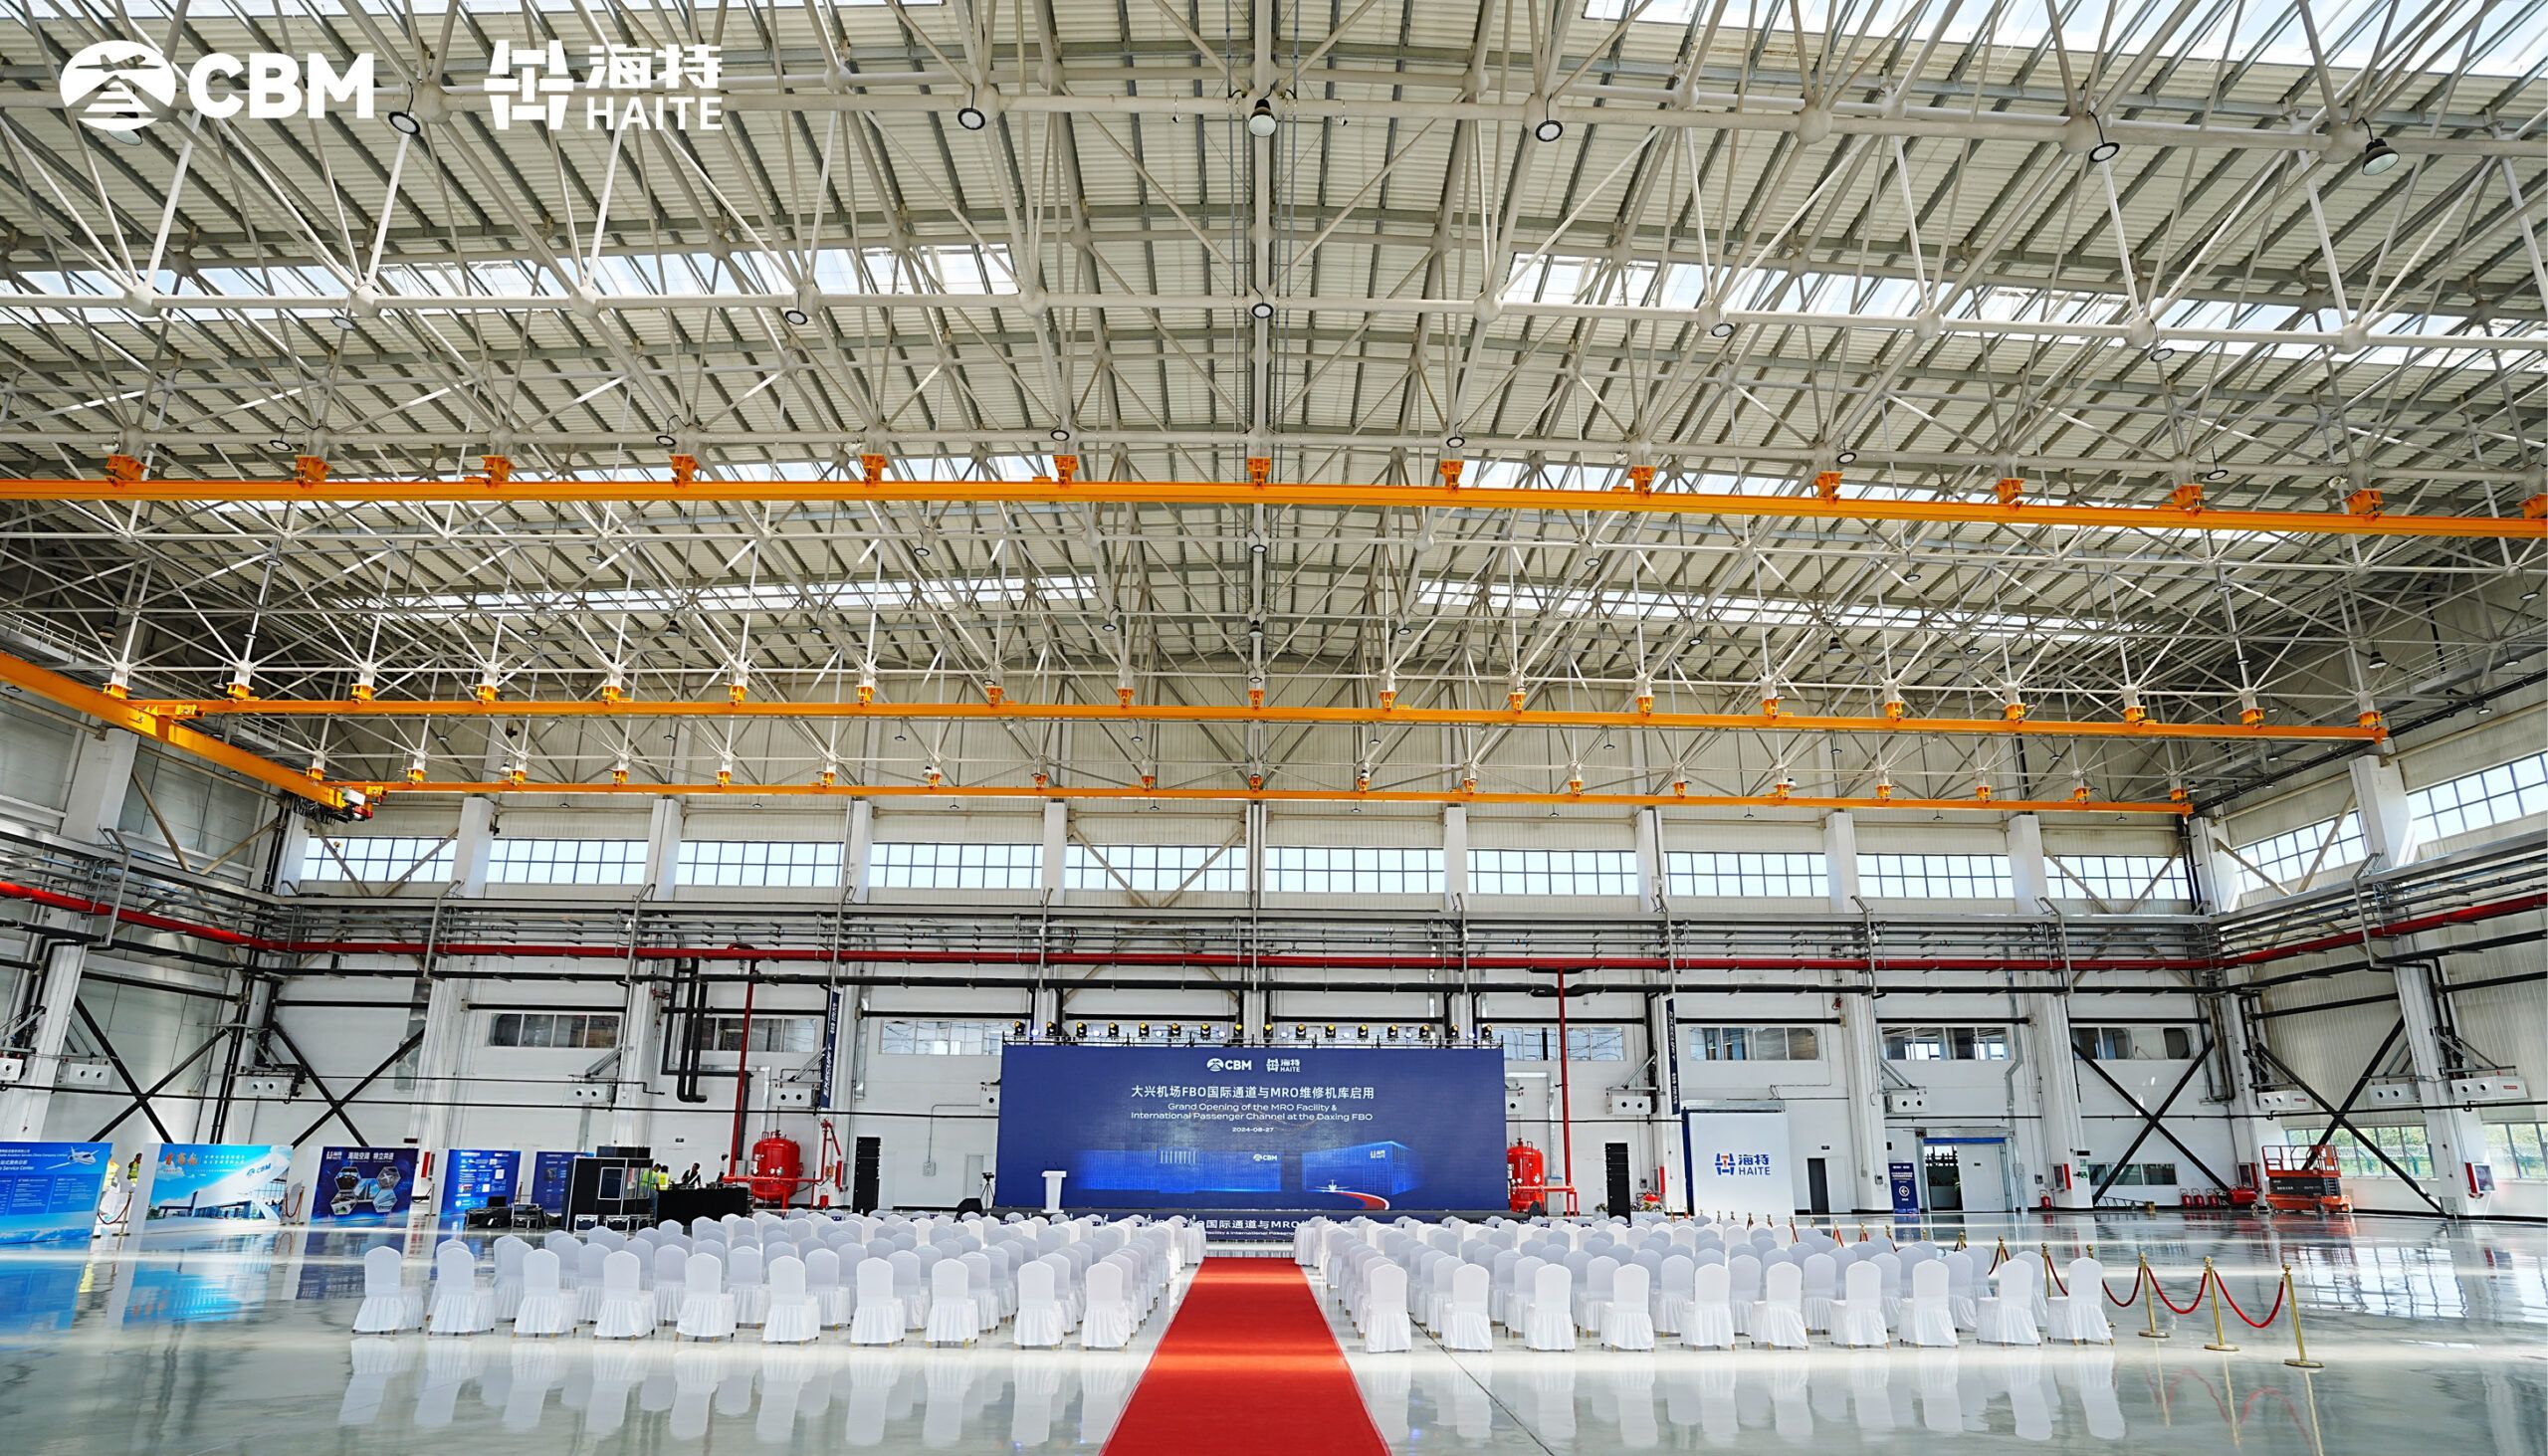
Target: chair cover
[[1929, 1318], [627, 1310], [1386, 1332], [1466, 1326], [796, 1316], [1859, 1319], [1778, 1317], [1821, 1286], [707, 1309], [545, 1308], [2080, 1317], [2008, 1318], [1550, 1318], [460, 1306], [878, 1318], [745, 1282], [1628, 1326], [385, 1304], [822, 1280], [1039, 1313], [1707, 1318], [1108, 1324], [671, 1268], [953, 1315], [507, 1293]]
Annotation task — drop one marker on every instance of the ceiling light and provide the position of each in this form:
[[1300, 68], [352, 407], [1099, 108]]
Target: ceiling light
[[2106, 149], [1548, 128], [406, 124], [278, 443], [2378, 157], [2216, 475], [2531, 595], [920, 551], [1059, 433], [1720, 329], [1456, 441], [2485, 709], [2161, 354], [1260, 117], [971, 117], [1848, 457], [795, 315], [1911, 575], [2376, 662], [663, 437], [1109, 626], [1261, 309]]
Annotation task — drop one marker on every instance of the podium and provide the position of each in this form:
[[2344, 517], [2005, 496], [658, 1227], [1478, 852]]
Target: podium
[[1053, 1188]]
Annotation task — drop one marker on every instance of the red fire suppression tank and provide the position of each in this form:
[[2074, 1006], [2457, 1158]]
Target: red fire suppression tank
[[1526, 1175], [777, 1169]]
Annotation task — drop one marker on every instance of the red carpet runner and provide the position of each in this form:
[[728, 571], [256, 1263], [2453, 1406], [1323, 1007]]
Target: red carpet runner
[[1247, 1368]]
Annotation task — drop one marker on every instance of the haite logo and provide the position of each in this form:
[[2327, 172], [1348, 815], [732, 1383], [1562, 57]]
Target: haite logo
[[119, 87]]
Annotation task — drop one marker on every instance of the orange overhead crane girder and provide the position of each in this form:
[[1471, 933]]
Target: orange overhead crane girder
[[1238, 794], [499, 487], [1013, 711], [117, 713]]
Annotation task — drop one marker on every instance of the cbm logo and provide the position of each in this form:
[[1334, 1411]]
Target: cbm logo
[[119, 87], [1230, 1064]]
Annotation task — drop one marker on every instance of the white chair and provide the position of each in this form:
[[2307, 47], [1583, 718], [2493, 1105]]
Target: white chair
[[706, 1311], [1743, 1289], [1628, 1326], [387, 1304], [1386, 1331], [589, 1271], [507, 1294], [1671, 1291], [2080, 1317], [1928, 1319], [1707, 1320], [1778, 1317], [1467, 1326], [1857, 1320], [2008, 1318], [1039, 1313], [905, 1266], [796, 1316], [1822, 1288], [1964, 1288], [822, 1281], [955, 1318], [1592, 1299], [1107, 1323], [460, 1306], [627, 1310], [878, 1320], [671, 1269], [1550, 1318], [744, 1282], [544, 1310], [987, 1299]]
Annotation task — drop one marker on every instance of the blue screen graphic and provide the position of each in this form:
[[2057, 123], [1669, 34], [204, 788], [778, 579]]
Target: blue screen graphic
[[49, 1190], [1330, 1129], [472, 1175], [548, 1174]]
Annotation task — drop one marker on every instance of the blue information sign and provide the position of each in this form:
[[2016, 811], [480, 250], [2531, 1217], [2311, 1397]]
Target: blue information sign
[[548, 1174], [363, 1185], [218, 1180], [49, 1190], [473, 1175], [1906, 1188]]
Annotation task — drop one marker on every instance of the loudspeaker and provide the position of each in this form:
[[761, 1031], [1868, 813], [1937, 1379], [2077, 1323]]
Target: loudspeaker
[[863, 1159]]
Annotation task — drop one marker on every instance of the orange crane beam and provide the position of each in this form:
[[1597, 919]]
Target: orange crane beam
[[1238, 794], [2184, 513], [160, 728], [1015, 711]]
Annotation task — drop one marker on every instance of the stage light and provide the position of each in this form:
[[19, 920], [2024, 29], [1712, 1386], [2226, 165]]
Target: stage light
[[1174, 1032], [1330, 1030], [1079, 1031], [1145, 1032], [1017, 1028], [1362, 1033], [1392, 1033], [1115, 1030]]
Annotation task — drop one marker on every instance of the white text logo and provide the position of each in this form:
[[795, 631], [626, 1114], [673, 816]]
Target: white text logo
[[628, 86], [122, 85]]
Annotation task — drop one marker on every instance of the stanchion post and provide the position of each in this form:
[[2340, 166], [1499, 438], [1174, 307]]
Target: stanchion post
[[2300, 1359], [2150, 1301], [2220, 1336]]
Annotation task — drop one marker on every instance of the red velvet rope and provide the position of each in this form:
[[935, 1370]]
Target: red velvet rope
[[2139, 1273], [2193, 1305], [2278, 1291]]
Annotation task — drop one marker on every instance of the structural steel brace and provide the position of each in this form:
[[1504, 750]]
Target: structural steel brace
[[2150, 1121]]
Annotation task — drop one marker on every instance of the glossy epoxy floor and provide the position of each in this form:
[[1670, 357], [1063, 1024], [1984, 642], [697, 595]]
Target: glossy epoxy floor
[[2435, 1340]]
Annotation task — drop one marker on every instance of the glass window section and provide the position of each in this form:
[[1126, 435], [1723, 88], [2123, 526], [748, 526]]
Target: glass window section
[[565, 861], [376, 859], [757, 863], [1353, 870], [1935, 875], [1544, 872], [1746, 874]]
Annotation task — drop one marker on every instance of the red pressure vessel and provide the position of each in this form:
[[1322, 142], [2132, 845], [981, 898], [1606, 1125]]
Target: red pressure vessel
[[777, 1169], [1526, 1172]]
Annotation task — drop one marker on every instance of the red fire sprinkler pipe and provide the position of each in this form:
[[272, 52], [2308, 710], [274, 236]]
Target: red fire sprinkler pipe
[[1565, 1102], [743, 1083]]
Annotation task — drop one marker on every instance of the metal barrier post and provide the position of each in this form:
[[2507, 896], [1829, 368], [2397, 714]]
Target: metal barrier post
[[2220, 1336], [2150, 1301], [2299, 1344]]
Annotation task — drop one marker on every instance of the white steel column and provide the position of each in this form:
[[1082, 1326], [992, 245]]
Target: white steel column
[[2059, 1126], [2028, 884], [1057, 838], [2389, 830], [2217, 892], [1861, 1049], [2457, 1134], [632, 1108], [100, 777], [861, 844], [1455, 855]]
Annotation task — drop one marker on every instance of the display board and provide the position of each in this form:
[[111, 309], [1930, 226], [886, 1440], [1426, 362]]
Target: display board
[[1739, 1161], [49, 1190], [216, 1180], [472, 1177], [363, 1185], [548, 1174], [1314, 1127]]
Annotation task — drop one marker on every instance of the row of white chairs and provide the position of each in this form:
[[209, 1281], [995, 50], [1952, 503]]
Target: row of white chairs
[[1546, 1294], [793, 1280]]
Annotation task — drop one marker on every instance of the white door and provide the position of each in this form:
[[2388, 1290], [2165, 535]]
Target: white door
[[1984, 1169]]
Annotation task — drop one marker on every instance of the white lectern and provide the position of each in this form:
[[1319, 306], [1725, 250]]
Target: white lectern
[[1053, 1188]]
